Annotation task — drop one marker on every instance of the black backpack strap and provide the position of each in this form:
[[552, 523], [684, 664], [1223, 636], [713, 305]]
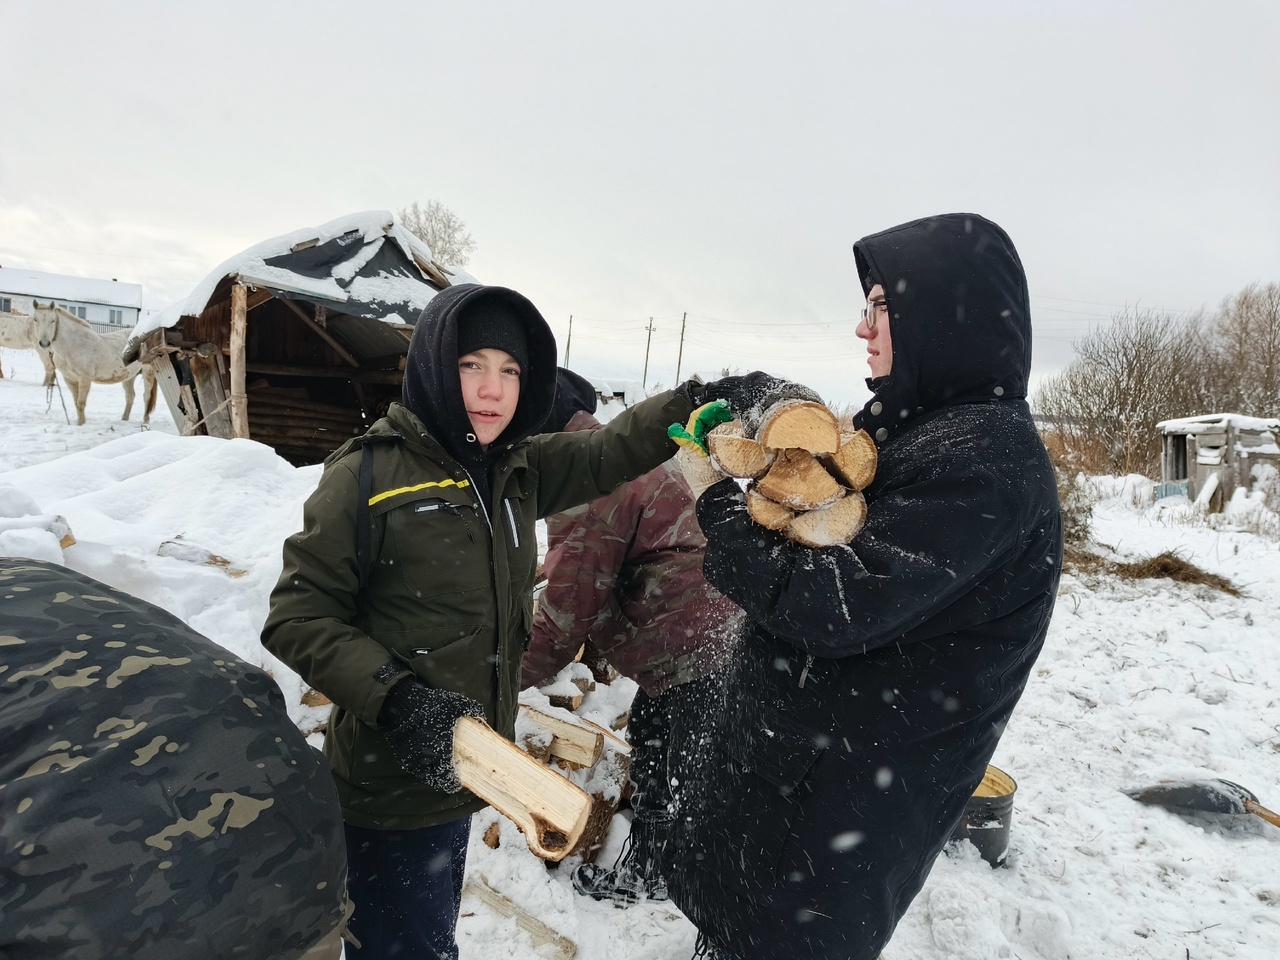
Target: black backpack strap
[[364, 516]]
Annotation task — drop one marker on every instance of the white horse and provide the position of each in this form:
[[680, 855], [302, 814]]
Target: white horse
[[87, 357], [19, 332]]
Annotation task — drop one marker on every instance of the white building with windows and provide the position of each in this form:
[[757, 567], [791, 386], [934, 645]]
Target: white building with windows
[[107, 304]]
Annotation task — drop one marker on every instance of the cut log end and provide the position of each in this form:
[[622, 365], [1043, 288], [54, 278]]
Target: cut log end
[[799, 424], [797, 480], [831, 525], [735, 454], [770, 515], [856, 460]]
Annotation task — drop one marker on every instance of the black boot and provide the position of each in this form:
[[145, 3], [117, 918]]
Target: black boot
[[635, 876]]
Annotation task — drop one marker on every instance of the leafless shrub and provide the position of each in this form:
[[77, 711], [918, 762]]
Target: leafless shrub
[[441, 229], [1145, 367]]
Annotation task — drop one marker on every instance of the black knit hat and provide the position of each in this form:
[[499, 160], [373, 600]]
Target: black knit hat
[[496, 326]]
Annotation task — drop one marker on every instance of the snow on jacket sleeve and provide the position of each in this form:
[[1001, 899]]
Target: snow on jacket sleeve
[[314, 602], [582, 565], [927, 542]]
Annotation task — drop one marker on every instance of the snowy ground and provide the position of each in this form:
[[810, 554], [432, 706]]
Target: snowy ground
[[1139, 681]]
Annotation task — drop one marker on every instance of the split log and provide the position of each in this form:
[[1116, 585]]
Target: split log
[[797, 480], [855, 462], [56, 525], [605, 785], [735, 454], [179, 549], [565, 701], [770, 515], [314, 698], [800, 424], [574, 742], [611, 740], [543, 935], [493, 835], [549, 810], [827, 526]]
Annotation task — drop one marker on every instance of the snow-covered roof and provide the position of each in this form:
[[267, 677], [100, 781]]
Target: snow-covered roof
[[57, 286], [1216, 421], [337, 264]]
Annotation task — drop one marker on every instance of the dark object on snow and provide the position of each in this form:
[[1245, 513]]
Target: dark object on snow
[[988, 816], [155, 799], [1205, 796], [636, 874]]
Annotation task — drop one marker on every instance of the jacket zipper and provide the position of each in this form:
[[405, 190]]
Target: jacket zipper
[[804, 674], [484, 507], [452, 508]]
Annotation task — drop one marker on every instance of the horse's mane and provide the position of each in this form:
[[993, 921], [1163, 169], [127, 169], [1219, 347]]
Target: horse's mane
[[66, 314]]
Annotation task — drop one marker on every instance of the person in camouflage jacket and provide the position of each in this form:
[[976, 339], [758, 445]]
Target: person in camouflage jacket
[[156, 801], [432, 626], [624, 574]]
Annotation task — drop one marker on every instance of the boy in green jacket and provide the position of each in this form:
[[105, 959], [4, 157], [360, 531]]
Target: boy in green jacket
[[407, 597]]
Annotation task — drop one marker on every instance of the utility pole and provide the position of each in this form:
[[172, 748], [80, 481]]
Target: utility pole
[[645, 379], [568, 341], [680, 355]]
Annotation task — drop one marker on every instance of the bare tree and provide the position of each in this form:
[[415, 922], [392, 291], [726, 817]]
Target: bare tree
[[1247, 337], [1145, 367], [441, 229]]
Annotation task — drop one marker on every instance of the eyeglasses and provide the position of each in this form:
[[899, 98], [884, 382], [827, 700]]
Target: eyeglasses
[[873, 310]]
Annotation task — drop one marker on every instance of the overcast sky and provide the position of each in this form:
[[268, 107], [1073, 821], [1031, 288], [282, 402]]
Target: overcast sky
[[620, 162]]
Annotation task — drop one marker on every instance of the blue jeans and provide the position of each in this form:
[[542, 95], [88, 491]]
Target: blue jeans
[[407, 888]]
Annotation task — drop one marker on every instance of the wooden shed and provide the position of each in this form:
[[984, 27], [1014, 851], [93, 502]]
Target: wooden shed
[[1208, 458], [298, 342]]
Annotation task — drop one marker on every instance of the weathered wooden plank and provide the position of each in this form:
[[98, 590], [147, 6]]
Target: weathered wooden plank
[[239, 403], [542, 934], [212, 396], [299, 370]]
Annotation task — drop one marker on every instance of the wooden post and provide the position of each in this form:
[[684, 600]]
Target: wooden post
[[239, 402]]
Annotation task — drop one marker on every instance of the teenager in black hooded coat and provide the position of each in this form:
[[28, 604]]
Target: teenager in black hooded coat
[[875, 679]]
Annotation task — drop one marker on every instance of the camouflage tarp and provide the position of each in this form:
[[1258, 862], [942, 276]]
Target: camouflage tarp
[[155, 799]]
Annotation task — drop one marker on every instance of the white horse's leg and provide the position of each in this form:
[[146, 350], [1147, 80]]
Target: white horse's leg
[[128, 397], [149, 391], [81, 389]]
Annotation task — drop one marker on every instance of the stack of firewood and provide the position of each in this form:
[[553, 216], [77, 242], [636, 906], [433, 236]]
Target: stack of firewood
[[806, 471]]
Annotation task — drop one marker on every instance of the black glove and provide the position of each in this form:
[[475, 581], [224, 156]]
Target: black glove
[[751, 394], [693, 390], [417, 721]]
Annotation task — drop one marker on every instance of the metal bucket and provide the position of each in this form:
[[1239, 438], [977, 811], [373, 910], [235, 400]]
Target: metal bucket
[[988, 815]]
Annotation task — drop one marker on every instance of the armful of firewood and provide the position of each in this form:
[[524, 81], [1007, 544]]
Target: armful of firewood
[[806, 473]]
